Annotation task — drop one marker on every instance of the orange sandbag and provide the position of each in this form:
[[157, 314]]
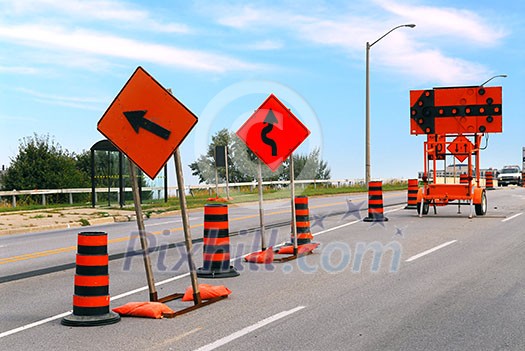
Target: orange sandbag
[[265, 256], [143, 309], [207, 292], [301, 249]]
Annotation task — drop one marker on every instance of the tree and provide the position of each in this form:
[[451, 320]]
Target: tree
[[243, 163], [307, 167], [41, 163]]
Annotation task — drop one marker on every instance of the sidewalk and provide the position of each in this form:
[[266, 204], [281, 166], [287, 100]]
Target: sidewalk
[[51, 219]]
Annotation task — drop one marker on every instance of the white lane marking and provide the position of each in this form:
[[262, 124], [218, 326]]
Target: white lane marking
[[169, 280], [512, 217], [335, 228], [35, 324], [61, 315], [248, 330], [395, 209], [114, 298], [415, 257]]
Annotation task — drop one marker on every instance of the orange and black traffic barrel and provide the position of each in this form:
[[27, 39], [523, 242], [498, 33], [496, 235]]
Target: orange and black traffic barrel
[[216, 251], [489, 180], [91, 297], [302, 221], [375, 202], [463, 178], [413, 185]]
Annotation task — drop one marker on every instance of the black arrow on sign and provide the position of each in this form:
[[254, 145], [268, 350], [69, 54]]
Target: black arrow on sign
[[270, 120], [137, 121]]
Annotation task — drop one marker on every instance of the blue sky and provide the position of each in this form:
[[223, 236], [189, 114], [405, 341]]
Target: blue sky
[[63, 62]]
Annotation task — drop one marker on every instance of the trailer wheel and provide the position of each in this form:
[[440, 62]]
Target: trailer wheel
[[481, 209], [426, 206]]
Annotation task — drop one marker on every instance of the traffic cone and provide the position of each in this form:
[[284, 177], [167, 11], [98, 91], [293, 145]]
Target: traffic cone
[[302, 221], [91, 298], [489, 183], [413, 185], [375, 202], [216, 251]]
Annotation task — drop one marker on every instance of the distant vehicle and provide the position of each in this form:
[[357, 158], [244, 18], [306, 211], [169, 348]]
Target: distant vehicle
[[510, 175]]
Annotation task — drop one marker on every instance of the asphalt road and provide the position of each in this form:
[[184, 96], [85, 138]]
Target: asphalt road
[[441, 282]]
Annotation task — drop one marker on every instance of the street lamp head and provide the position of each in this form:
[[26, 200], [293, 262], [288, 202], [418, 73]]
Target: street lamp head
[[410, 25], [496, 76]]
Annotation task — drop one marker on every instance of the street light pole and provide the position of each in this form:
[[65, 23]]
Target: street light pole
[[367, 102], [497, 76]]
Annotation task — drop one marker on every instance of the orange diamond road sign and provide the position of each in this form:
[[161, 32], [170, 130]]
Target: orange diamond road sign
[[146, 122], [273, 132], [461, 147]]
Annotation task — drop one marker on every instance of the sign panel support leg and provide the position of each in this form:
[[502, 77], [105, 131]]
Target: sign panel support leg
[[186, 226], [142, 232], [261, 209], [226, 171], [292, 193]]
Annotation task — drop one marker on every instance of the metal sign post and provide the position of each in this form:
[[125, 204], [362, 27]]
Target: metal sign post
[[261, 209], [226, 165], [186, 226], [142, 232], [292, 193]]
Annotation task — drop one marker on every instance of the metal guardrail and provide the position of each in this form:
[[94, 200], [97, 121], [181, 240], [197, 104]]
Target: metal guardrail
[[13, 194]]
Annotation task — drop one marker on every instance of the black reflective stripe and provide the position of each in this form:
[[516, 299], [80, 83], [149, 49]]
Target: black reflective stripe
[[216, 265], [92, 250], [412, 191], [216, 218], [302, 218], [301, 206], [91, 290], [303, 230], [376, 216], [216, 233], [215, 249], [90, 311], [375, 197], [375, 188], [92, 233], [375, 206], [92, 270]]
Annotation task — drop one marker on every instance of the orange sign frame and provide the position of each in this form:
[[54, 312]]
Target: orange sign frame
[[146, 122]]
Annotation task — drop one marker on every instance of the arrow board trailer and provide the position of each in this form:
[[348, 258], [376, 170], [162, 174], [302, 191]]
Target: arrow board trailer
[[455, 119]]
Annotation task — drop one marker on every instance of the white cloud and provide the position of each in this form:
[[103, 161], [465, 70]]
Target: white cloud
[[447, 22], [243, 17], [266, 45], [85, 103], [18, 70], [418, 52], [85, 10], [98, 43]]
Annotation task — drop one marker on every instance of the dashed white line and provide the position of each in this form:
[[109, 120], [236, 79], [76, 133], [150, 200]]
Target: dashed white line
[[335, 228], [249, 329], [512, 217], [114, 298], [35, 324], [61, 315], [424, 253]]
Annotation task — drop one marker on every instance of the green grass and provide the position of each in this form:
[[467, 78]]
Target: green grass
[[200, 198], [33, 207]]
